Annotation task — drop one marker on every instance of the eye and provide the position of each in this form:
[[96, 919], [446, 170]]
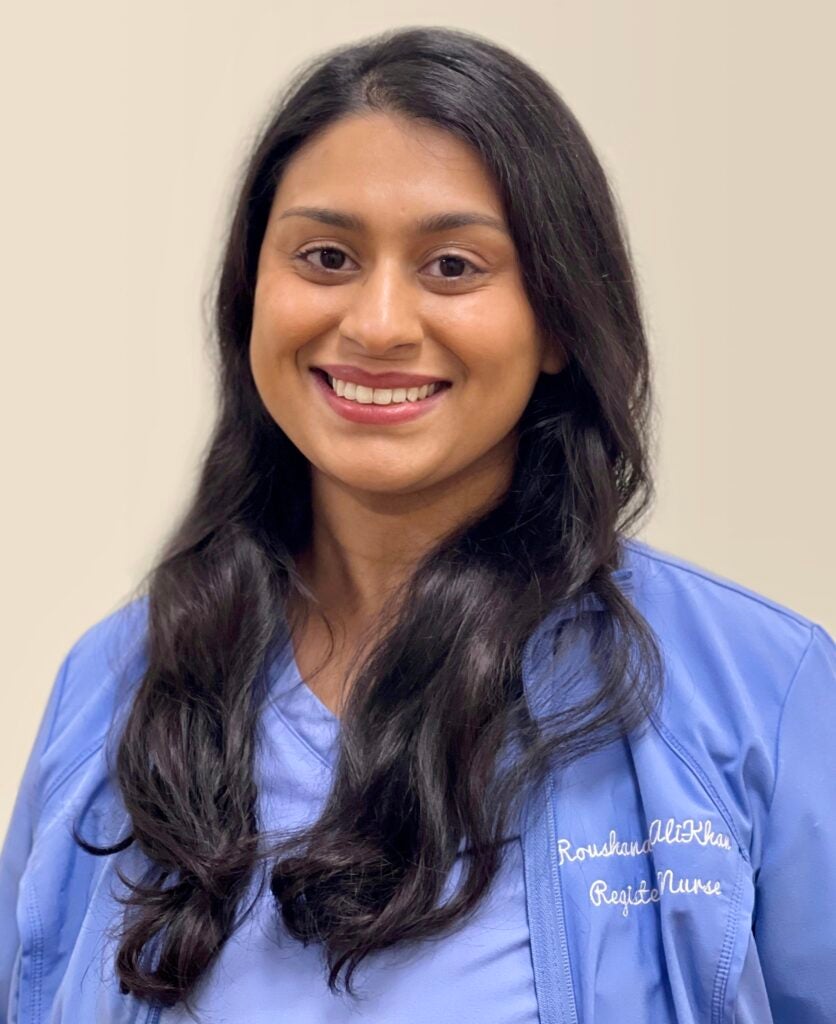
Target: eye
[[332, 262], [451, 261], [330, 256]]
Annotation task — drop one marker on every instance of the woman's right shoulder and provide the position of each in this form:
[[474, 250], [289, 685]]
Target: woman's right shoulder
[[96, 679]]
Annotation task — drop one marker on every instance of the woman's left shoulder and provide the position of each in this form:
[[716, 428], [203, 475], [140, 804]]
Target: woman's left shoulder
[[721, 639], [749, 696]]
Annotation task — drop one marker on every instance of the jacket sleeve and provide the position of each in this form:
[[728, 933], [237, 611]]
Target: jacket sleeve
[[795, 896], [18, 841]]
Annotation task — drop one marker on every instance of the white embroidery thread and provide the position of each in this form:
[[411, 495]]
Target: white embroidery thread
[[600, 892], [671, 831]]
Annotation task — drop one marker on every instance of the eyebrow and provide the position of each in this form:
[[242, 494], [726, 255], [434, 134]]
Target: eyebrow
[[426, 225]]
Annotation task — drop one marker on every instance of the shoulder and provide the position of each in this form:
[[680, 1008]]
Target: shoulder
[[659, 573], [93, 681], [740, 670], [712, 622], [724, 643]]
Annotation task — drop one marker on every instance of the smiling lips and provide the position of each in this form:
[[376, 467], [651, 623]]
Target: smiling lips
[[354, 375], [381, 396], [359, 406]]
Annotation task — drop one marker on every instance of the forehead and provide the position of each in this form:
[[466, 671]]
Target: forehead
[[377, 161]]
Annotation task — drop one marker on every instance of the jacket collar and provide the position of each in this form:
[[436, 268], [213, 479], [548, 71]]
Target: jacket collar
[[537, 668]]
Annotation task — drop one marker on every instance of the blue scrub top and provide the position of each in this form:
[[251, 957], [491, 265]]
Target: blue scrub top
[[480, 972]]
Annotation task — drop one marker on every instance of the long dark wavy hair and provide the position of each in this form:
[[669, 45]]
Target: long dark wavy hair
[[439, 694]]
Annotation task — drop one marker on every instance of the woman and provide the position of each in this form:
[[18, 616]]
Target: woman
[[406, 727]]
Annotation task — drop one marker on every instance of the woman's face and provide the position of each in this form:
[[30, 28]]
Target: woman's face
[[358, 282]]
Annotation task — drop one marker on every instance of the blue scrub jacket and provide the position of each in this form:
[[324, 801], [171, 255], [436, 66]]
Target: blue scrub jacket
[[685, 874]]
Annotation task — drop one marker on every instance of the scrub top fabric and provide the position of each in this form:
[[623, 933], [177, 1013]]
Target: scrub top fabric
[[480, 972]]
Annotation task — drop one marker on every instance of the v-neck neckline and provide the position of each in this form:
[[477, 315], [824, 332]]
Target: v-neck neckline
[[318, 727], [300, 709]]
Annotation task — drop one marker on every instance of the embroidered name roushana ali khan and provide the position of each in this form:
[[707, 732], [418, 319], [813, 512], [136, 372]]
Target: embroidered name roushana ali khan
[[670, 831]]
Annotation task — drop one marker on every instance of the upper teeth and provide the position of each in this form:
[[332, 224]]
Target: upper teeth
[[380, 396]]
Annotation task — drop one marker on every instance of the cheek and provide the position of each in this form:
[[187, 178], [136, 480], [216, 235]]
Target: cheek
[[493, 329], [263, 354], [501, 356], [280, 329], [493, 398], [288, 313], [501, 397], [272, 354]]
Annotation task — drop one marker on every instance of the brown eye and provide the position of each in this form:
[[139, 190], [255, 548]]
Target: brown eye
[[331, 257], [452, 266], [454, 263]]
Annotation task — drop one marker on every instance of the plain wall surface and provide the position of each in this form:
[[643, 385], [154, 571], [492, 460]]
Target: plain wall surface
[[124, 129]]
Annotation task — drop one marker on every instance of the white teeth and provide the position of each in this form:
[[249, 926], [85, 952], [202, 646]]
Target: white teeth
[[380, 396]]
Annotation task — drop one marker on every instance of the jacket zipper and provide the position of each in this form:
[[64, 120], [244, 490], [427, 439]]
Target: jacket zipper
[[15, 987], [544, 898]]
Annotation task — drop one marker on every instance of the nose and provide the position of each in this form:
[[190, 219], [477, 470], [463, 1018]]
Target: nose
[[382, 312]]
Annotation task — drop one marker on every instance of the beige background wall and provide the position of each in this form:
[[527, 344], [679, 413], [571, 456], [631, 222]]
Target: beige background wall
[[123, 125]]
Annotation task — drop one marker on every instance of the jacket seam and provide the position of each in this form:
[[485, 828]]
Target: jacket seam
[[59, 698], [32, 943], [721, 978], [69, 770], [51, 725], [703, 779], [778, 731], [36, 950], [718, 581]]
